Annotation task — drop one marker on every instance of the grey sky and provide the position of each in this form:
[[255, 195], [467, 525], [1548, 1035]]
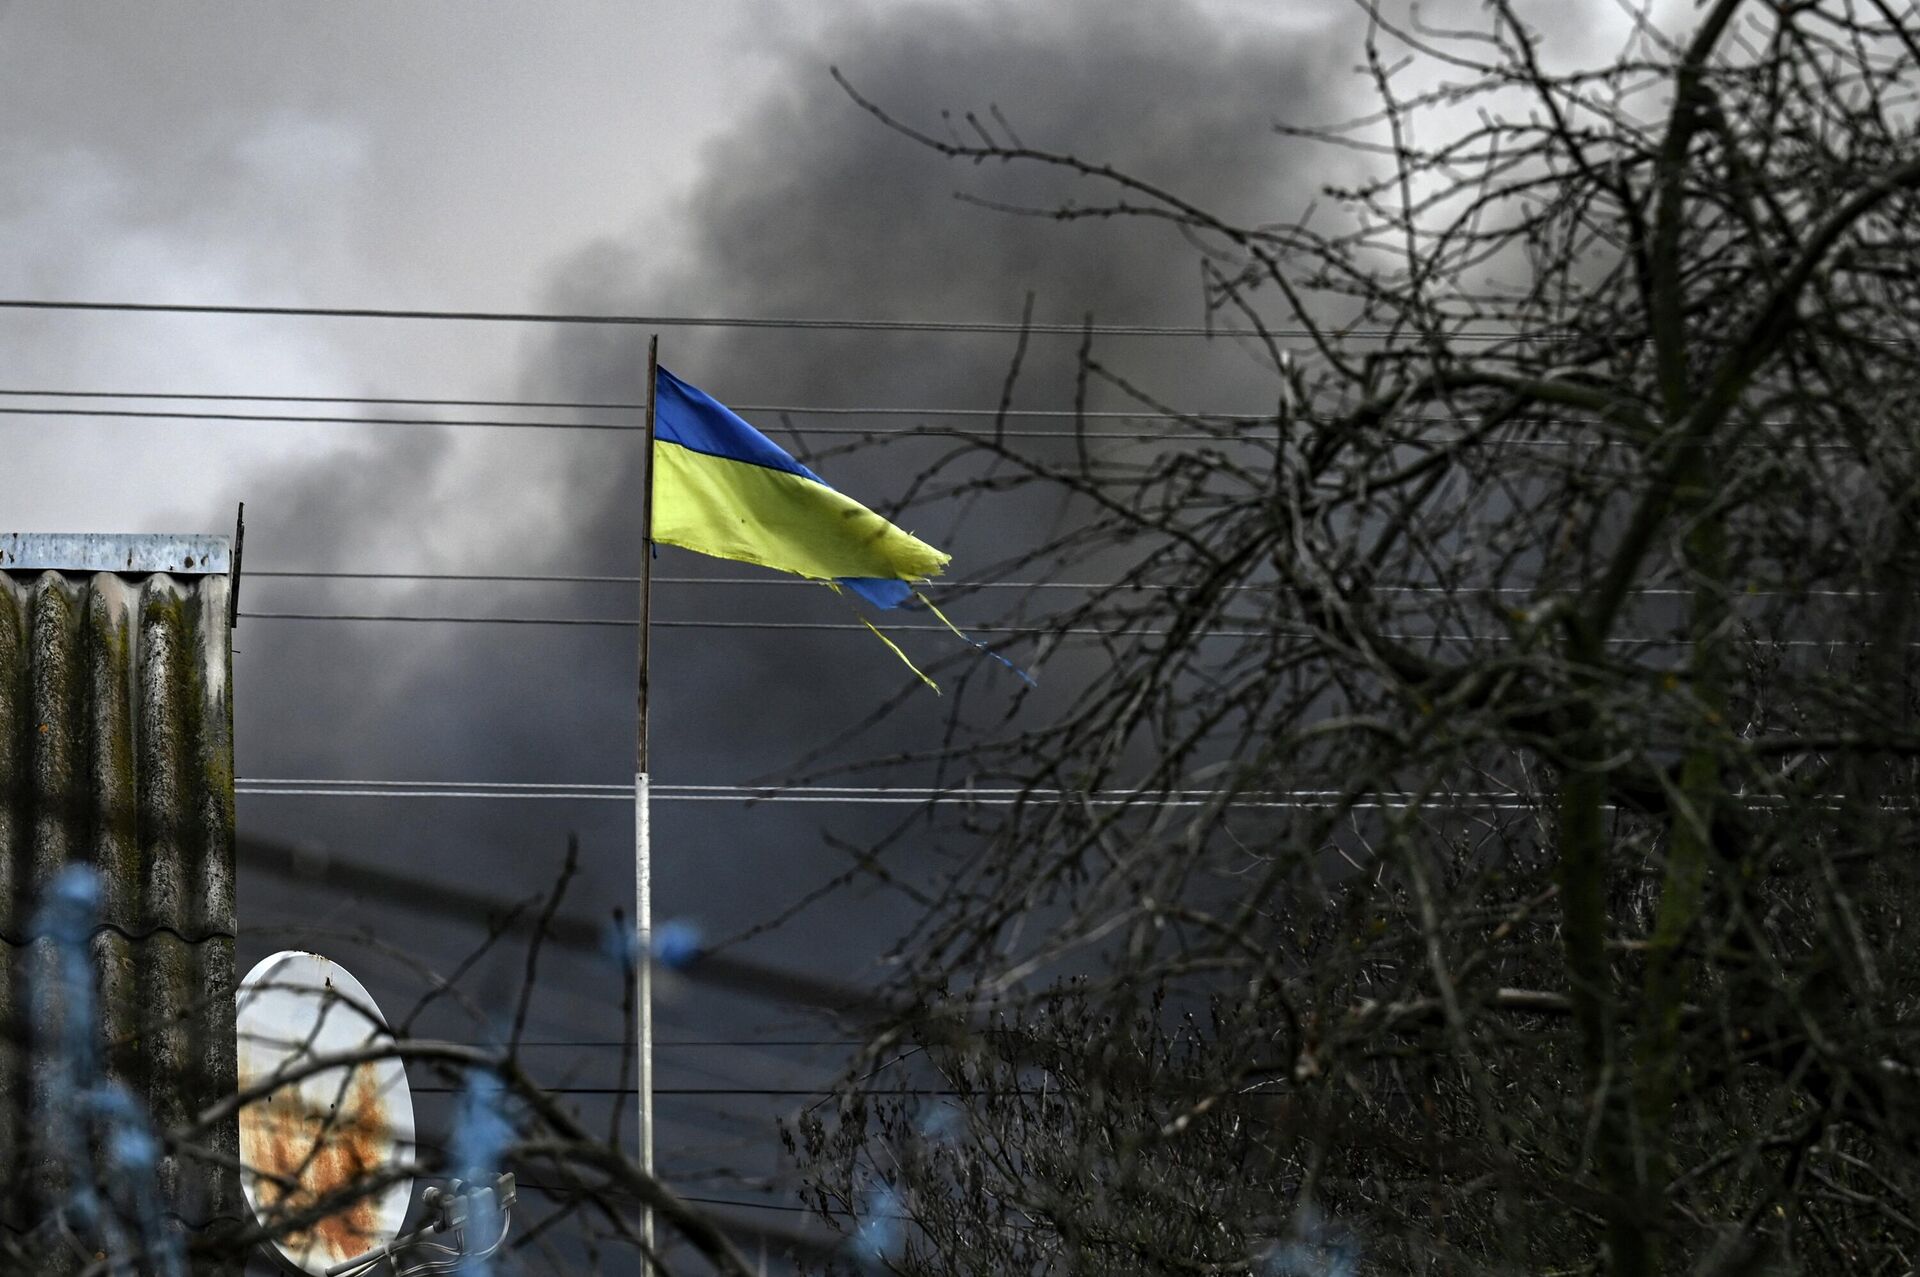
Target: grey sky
[[429, 154]]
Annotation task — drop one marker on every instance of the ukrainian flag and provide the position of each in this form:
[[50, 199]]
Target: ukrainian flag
[[720, 487]]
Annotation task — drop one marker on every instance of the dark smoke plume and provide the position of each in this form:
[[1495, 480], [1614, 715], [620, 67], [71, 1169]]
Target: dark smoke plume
[[810, 208]]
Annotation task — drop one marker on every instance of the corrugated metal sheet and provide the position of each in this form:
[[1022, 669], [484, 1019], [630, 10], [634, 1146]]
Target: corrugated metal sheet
[[116, 751]]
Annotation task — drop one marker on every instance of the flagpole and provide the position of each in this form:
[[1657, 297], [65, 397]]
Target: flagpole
[[642, 816]]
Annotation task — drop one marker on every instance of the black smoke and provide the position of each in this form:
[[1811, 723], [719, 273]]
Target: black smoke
[[811, 208]]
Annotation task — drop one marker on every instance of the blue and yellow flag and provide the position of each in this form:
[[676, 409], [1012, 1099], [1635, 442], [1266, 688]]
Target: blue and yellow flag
[[721, 487]]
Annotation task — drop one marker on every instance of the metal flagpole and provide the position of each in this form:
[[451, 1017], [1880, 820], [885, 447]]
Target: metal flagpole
[[642, 815]]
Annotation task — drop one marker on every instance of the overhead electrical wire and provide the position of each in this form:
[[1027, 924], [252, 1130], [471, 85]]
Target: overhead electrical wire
[[624, 1044], [1010, 631], [688, 1197], [620, 623], [828, 324], [1461, 591], [728, 1201], [1269, 432], [619, 427], [801, 1093], [798, 410], [166, 415], [1261, 416], [912, 795], [564, 579]]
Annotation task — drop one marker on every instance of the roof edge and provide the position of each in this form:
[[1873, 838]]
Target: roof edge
[[179, 554]]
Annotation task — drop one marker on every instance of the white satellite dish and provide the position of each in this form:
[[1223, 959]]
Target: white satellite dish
[[330, 1130]]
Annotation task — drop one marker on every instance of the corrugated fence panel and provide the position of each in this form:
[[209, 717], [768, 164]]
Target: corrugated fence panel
[[116, 751]]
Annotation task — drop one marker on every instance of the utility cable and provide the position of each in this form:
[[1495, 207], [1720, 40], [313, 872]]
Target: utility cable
[[1257, 417], [620, 427], [802, 1093], [627, 1044], [1011, 631], [1458, 591], [619, 623], [999, 796], [798, 410], [1269, 433], [716, 321], [564, 579]]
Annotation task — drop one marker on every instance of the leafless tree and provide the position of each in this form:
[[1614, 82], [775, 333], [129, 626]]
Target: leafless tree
[[1488, 844]]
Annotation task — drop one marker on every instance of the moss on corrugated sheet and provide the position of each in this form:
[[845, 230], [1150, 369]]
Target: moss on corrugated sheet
[[116, 750]]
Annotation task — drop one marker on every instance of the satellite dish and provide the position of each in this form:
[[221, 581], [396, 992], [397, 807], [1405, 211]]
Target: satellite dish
[[332, 1129]]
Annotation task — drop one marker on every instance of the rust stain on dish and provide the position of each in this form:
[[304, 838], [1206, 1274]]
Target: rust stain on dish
[[323, 1153]]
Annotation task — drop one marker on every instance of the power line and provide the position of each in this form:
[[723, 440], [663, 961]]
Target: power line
[[1011, 631], [621, 427], [843, 799], [234, 397], [765, 1091], [716, 321], [605, 1190], [798, 410], [528, 1043], [164, 415], [1269, 433], [571, 579], [727, 1201], [546, 579], [619, 623], [1459, 591], [998, 796], [1261, 416]]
